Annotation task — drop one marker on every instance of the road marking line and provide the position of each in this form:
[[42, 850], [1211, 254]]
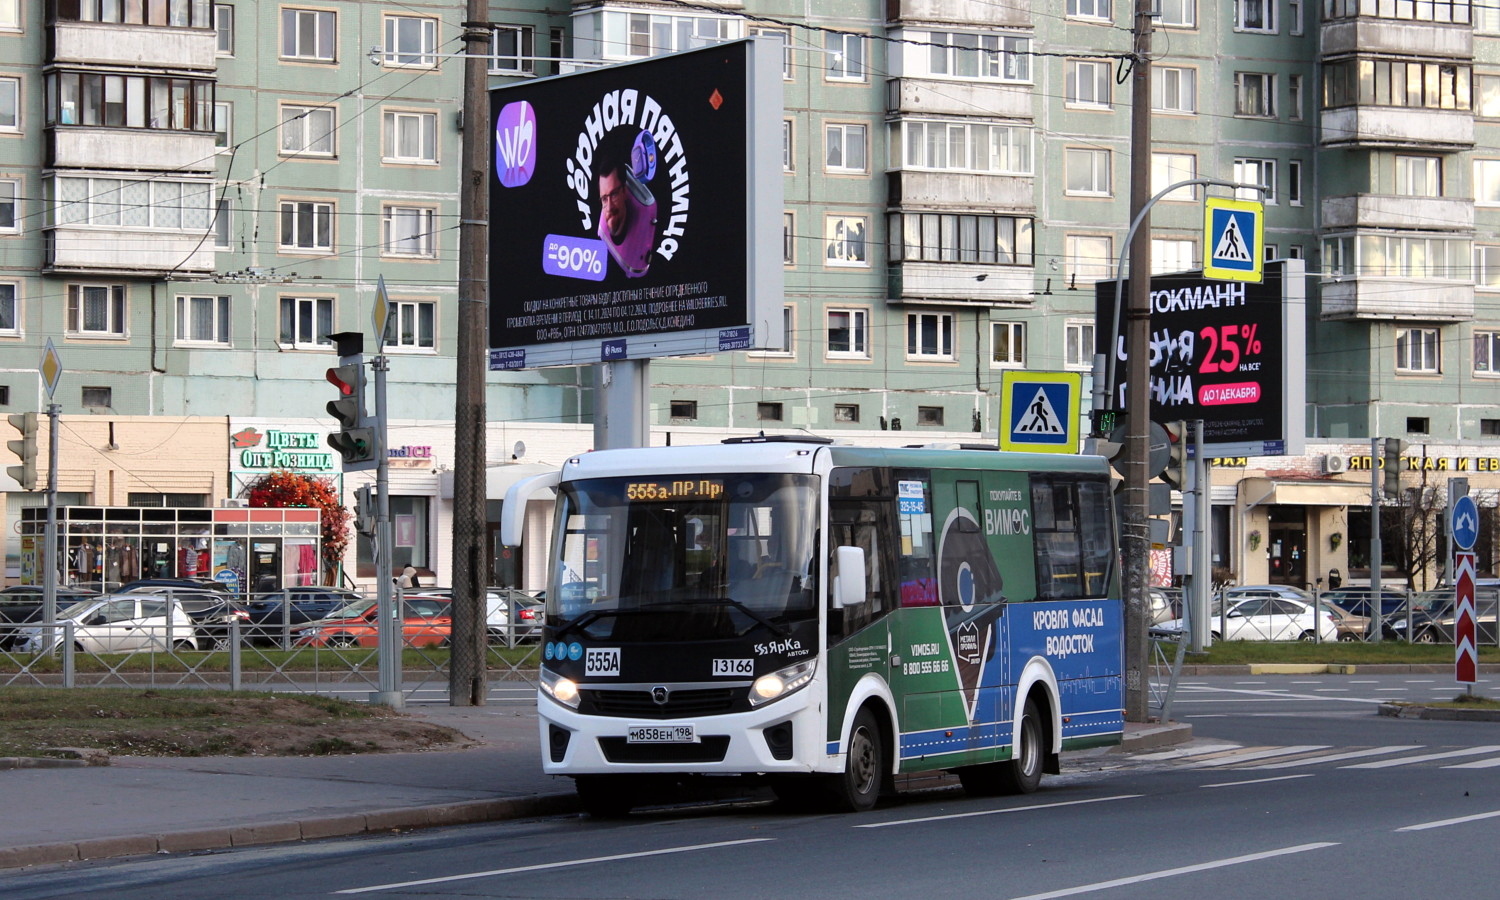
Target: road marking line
[[553, 865], [994, 812], [1181, 752], [1183, 870], [1333, 690], [1260, 753], [1426, 757], [1478, 764], [1335, 757], [1255, 781], [1441, 823]]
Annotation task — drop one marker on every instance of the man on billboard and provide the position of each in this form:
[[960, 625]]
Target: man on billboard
[[627, 213]]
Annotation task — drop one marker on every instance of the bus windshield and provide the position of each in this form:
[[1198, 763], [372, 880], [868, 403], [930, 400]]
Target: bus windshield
[[684, 557]]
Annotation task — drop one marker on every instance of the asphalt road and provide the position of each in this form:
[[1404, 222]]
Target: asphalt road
[[1293, 787]]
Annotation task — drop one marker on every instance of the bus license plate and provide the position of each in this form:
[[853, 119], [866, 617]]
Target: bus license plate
[[660, 734]]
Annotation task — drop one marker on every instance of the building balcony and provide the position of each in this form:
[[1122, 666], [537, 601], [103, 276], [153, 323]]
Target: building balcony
[[136, 149], [126, 251], [958, 191], [1404, 213], [958, 12], [976, 283], [1403, 38], [1395, 126], [1415, 299], [923, 96], [101, 44]]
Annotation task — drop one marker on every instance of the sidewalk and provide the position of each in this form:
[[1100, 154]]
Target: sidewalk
[[145, 805]]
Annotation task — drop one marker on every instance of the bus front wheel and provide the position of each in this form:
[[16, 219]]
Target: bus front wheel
[[858, 787]]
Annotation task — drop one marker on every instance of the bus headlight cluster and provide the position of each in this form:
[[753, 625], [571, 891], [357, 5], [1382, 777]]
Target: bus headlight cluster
[[563, 690], [775, 685]]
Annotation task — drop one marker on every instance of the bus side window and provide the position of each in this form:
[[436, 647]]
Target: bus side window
[[1054, 515], [1098, 543]]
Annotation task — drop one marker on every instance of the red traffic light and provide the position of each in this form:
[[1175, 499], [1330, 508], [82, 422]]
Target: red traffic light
[[345, 378]]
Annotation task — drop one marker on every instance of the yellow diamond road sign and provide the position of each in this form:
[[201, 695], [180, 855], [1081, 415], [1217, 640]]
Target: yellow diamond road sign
[[1233, 239], [51, 368], [381, 314]]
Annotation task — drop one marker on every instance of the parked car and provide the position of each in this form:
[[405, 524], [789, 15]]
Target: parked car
[[1270, 619], [1439, 629], [1162, 608], [271, 617], [1246, 591], [1350, 626], [24, 603], [1357, 600], [425, 622], [529, 607], [119, 623], [167, 585]]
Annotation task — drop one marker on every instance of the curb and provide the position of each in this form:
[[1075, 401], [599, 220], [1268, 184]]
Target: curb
[[1439, 713], [467, 813]]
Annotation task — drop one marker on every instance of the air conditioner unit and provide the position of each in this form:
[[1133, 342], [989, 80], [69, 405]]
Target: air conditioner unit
[[234, 503], [1335, 465]]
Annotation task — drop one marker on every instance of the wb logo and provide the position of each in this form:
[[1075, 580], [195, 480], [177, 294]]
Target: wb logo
[[515, 144]]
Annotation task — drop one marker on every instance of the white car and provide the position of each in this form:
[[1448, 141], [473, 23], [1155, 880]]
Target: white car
[[119, 623], [1269, 619]]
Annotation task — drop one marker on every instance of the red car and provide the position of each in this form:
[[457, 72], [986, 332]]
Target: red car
[[425, 622]]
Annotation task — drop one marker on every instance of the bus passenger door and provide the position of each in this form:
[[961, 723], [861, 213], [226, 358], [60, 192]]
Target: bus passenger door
[[859, 636]]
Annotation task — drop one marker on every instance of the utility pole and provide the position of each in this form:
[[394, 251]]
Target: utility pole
[[467, 683], [1136, 540]]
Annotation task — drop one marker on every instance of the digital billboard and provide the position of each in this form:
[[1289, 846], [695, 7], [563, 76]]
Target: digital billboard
[[635, 210], [1231, 353]]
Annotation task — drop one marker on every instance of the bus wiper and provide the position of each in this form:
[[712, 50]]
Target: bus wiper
[[780, 630], [581, 621]]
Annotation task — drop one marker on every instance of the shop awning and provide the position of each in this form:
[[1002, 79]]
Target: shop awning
[[1278, 492]]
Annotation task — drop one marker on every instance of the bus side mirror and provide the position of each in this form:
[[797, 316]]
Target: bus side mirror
[[849, 583]]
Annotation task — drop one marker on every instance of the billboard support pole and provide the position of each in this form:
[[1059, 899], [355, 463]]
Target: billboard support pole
[[622, 390]]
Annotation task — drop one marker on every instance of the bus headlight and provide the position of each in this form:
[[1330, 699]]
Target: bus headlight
[[561, 689], [775, 685]]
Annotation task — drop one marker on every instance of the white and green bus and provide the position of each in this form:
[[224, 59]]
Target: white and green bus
[[825, 617]]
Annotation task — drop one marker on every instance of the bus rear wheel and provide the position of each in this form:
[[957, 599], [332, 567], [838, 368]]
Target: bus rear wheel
[[858, 787], [605, 796], [1023, 774]]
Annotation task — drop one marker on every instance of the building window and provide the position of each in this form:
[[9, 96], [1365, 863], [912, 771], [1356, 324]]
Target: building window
[[307, 34], [157, 13], [768, 412], [98, 397], [1487, 266], [223, 125], [963, 55], [1487, 93], [684, 409], [845, 146], [413, 325], [1397, 256], [1487, 353], [788, 238], [203, 320], [1417, 350], [222, 225], [96, 310], [1255, 15], [846, 54], [1419, 176], [1255, 94], [10, 104], [557, 47], [10, 207], [408, 231], [1269, 252], [1294, 182], [224, 29], [10, 312], [1088, 9], [949, 237], [849, 333], [306, 322], [846, 240], [635, 34], [785, 38], [157, 102], [846, 412], [1489, 427], [1294, 97], [1397, 83], [4, 395], [929, 336], [410, 41], [410, 137], [1487, 182], [788, 330], [961, 147], [1087, 172], [10, 14], [1179, 13], [1078, 345], [514, 50], [307, 130], [929, 415], [1418, 425], [1295, 251], [1256, 171], [1174, 89], [1088, 257], [1173, 255], [1087, 83], [1170, 168], [1007, 344], [142, 204], [787, 130], [306, 225]]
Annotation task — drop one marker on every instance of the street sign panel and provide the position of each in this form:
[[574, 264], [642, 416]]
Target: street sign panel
[[1465, 524], [1039, 411], [1233, 239], [1465, 650]]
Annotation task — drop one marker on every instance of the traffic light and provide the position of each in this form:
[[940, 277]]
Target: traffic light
[[25, 448], [364, 510], [356, 439], [1394, 447], [1175, 473]]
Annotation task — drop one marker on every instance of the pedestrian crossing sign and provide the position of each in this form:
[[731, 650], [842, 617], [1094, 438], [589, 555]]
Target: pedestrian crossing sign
[[1040, 411], [1233, 239]]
